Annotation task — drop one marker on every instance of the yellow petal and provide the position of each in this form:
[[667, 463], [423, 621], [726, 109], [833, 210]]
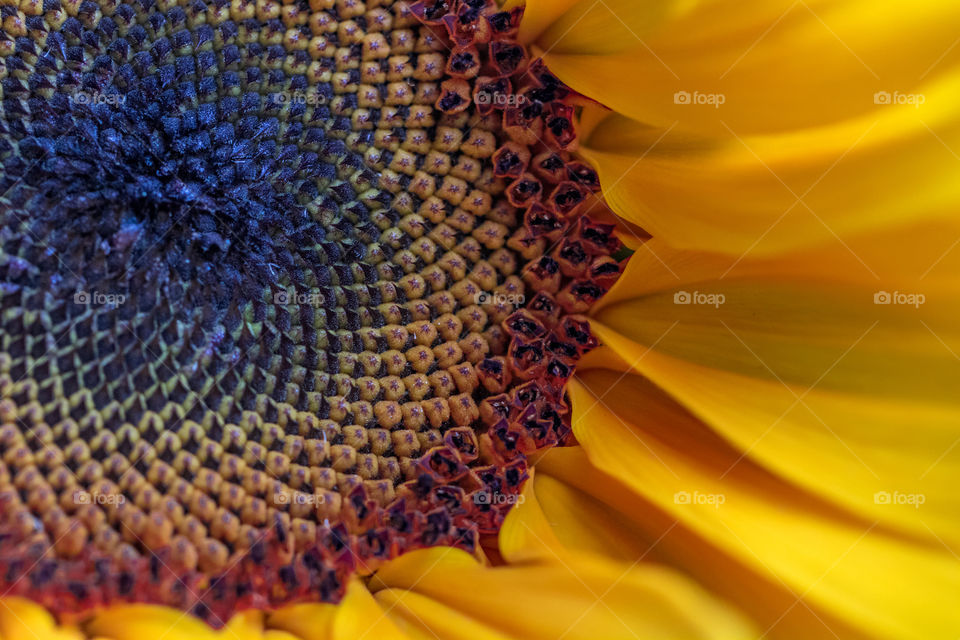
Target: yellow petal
[[781, 65], [143, 622], [525, 534], [273, 634], [590, 511], [24, 620], [766, 125], [538, 16], [356, 616], [139, 622], [811, 378], [309, 621], [136, 622], [423, 618], [760, 194], [923, 256], [360, 616], [250, 624], [579, 598], [529, 533], [885, 583]]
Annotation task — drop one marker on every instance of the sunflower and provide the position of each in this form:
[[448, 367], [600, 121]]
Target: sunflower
[[556, 319]]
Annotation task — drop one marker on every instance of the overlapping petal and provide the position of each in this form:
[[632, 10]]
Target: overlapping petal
[[816, 394], [356, 616], [780, 362], [783, 65], [24, 620], [810, 376], [580, 597], [441, 593], [763, 126], [760, 195], [575, 506]]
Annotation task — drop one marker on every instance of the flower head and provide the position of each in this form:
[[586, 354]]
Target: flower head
[[290, 291], [462, 318]]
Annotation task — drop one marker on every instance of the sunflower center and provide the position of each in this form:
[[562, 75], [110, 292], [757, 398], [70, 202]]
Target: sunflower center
[[285, 290]]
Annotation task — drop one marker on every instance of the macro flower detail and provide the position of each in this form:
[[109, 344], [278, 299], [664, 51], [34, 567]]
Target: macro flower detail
[[285, 292], [479, 319]]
